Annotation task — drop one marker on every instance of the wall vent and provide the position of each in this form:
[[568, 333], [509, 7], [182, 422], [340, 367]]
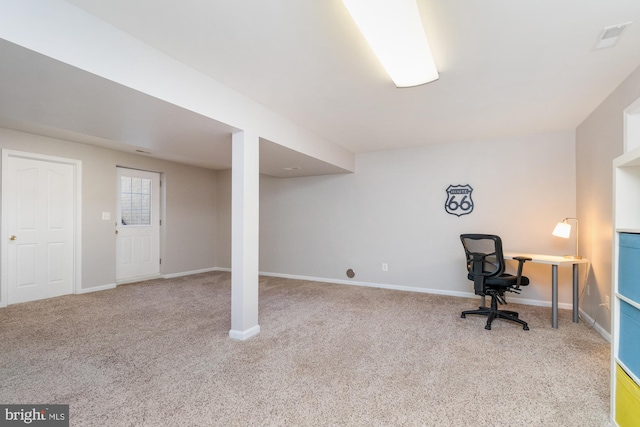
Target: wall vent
[[610, 35]]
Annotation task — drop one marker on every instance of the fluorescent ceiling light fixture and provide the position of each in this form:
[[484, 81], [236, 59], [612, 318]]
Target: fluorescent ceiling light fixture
[[393, 29]]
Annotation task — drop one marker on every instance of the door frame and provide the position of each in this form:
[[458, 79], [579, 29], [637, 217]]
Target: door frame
[[76, 210]]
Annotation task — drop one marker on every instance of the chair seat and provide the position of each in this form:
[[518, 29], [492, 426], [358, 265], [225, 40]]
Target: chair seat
[[504, 280]]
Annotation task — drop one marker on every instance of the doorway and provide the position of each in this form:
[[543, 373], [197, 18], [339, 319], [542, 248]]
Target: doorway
[[137, 225], [41, 209]]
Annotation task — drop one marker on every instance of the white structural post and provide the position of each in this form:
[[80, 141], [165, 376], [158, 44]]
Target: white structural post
[[245, 178]]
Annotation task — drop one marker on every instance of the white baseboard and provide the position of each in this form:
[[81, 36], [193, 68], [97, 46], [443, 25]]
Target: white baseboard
[[189, 273], [538, 303], [371, 285], [96, 288], [142, 278], [244, 335], [515, 300], [585, 317], [138, 279]]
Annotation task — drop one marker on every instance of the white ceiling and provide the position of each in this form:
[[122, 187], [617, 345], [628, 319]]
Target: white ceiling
[[506, 68], [44, 96]]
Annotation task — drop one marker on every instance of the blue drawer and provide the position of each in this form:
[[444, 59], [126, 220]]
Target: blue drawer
[[629, 347], [629, 266]]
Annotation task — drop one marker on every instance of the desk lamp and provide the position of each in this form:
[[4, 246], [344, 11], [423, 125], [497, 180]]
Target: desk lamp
[[563, 229]]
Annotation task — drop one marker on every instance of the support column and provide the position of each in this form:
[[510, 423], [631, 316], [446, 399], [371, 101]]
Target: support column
[[245, 177]]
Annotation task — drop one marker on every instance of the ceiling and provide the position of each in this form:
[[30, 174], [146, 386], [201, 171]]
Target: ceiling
[[47, 97], [507, 68]]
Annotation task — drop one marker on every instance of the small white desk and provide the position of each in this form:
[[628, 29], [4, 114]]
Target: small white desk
[[555, 261]]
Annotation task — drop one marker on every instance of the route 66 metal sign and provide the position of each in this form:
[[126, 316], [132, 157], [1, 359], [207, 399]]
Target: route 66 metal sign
[[459, 201]]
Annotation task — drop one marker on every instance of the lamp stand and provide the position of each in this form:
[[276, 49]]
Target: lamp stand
[[576, 256]]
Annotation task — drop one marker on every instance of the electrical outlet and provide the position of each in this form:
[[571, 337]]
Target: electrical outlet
[[606, 302], [385, 266]]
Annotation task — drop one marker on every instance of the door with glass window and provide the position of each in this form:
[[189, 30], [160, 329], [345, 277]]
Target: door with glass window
[[137, 225]]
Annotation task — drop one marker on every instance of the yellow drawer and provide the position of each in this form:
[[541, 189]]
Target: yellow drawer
[[627, 400]]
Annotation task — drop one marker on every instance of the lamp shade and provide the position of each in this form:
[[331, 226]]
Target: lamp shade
[[563, 229]]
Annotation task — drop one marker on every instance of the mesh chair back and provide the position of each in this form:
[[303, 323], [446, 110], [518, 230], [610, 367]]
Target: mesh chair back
[[484, 254]]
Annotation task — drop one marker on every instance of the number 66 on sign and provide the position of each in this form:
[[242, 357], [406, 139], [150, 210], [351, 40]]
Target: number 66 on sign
[[459, 201]]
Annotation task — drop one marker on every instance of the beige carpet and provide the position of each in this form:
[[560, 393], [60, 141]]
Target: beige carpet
[[158, 354]]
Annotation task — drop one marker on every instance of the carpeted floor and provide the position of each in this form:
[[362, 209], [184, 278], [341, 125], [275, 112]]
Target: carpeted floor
[[158, 354]]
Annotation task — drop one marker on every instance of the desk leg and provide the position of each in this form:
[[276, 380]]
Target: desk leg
[[554, 296], [576, 307]]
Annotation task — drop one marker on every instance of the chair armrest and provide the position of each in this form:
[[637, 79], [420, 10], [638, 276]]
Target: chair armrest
[[521, 260]]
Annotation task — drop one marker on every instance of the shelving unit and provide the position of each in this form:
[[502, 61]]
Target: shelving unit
[[625, 304]]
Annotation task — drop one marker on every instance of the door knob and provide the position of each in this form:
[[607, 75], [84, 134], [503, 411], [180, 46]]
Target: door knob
[[12, 237]]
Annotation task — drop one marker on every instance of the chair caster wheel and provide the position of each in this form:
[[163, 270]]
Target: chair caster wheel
[[463, 316], [526, 328], [488, 327]]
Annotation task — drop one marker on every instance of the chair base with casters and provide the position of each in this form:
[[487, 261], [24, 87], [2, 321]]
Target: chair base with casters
[[493, 312], [486, 269]]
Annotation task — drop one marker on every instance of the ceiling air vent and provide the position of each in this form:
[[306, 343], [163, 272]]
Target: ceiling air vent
[[610, 35]]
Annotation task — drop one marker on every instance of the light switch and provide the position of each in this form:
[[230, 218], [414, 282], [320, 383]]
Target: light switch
[[106, 215]]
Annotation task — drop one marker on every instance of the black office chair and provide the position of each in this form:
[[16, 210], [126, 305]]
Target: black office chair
[[485, 265]]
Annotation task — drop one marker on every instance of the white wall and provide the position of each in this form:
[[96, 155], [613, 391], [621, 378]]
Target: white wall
[[189, 224], [392, 210], [599, 139], [223, 203]]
